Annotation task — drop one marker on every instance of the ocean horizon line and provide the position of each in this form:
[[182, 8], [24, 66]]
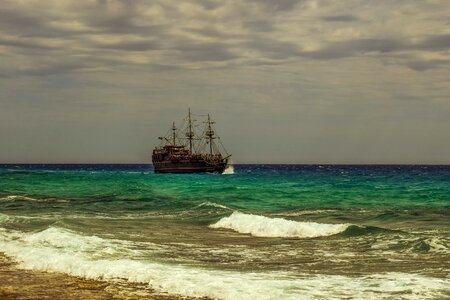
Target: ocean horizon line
[[235, 164]]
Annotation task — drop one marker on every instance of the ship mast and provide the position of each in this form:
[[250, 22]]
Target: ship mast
[[174, 132], [210, 133], [190, 134]]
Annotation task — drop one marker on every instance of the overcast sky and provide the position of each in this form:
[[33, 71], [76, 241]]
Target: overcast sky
[[287, 81]]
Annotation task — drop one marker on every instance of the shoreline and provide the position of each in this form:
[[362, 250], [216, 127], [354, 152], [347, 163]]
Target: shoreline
[[28, 284]]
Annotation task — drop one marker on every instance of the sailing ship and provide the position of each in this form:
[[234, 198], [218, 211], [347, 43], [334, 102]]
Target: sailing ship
[[192, 148]]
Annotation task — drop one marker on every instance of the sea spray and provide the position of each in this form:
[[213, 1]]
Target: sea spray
[[261, 226], [230, 169], [218, 284]]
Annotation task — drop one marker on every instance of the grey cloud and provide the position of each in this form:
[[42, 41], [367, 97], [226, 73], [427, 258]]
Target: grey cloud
[[341, 18], [424, 65], [121, 22], [279, 5], [52, 69], [259, 25], [13, 18], [212, 33], [205, 51], [119, 17], [133, 45], [274, 49], [60, 64], [387, 47], [165, 67], [435, 42], [23, 23], [209, 4], [258, 69], [43, 70], [114, 20], [354, 47], [26, 44]]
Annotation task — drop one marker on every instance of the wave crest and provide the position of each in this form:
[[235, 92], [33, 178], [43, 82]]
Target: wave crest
[[56, 250], [414, 245], [20, 198], [229, 170], [261, 226], [212, 204]]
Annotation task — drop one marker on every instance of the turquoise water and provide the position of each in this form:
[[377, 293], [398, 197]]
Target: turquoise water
[[262, 231]]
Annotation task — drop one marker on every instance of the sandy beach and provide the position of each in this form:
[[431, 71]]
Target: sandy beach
[[16, 283]]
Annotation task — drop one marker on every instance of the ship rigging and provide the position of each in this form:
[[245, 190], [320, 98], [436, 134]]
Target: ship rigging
[[192, 148]]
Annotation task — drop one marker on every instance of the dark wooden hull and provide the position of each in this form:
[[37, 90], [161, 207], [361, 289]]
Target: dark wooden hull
[[188, 167]]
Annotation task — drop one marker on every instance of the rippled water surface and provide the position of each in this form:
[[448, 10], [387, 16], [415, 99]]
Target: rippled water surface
[[262, 232]]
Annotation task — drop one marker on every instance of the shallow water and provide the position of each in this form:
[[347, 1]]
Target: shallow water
[[262, 232]]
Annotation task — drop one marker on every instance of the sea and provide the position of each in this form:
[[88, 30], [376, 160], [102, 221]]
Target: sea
[[254, 232]]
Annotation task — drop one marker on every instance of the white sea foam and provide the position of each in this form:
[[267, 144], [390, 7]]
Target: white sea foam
[[439, 244], [213, 204], [4, 218], [20, 219], [276, 227], [229, 170], [46, 252], [304, 212], [413, 244], [89, 246], [18, 198], [69, 241], [12, 198]]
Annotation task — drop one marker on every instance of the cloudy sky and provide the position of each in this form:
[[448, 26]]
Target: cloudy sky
[[288, 81]]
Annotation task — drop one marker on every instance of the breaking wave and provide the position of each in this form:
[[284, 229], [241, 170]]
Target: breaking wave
[[69, 241], [14, 198], [229, 170], [261, 226], [355, 230], [18, 198], [212, 204], [60, 250], [304, 212], [414, 245]]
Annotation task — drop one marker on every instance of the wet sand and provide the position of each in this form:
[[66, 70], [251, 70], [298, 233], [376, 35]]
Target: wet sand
[[23, 284]]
